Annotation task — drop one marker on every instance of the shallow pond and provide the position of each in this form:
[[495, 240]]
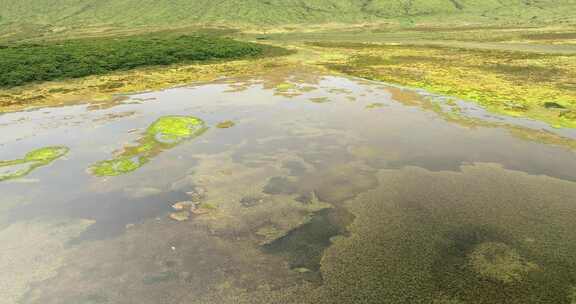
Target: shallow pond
[[292, 188]]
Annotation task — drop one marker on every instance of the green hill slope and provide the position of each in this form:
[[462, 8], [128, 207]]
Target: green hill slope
[[272, 12]]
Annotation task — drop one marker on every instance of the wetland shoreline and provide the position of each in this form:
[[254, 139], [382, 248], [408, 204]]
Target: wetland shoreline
[[284, 180]]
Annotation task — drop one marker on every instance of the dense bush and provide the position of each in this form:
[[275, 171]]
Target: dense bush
[[24, 63]]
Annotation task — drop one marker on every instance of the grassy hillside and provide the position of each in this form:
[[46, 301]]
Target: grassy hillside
[[274, 12]]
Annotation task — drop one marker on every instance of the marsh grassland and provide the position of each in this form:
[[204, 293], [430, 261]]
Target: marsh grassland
[[337, 164], [534, 85]]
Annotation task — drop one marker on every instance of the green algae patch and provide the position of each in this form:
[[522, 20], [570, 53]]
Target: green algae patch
[[17, 168], [118, 166], [165, 133], [174, 129], [47, 154]]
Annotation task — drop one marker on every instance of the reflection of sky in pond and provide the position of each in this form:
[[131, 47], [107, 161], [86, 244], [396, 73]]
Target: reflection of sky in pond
[[315, 156]]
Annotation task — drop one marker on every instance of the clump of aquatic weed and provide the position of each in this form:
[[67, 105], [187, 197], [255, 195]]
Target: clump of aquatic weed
[[500, 262], [102, 88], [11, 169], [497, 266], [225, 124], [164, 133]]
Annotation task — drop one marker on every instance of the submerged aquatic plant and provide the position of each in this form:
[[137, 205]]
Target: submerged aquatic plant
[[118, 166], [572, 295], [226, 124], [164, 133], [17, 168], [285, 86], [500, 262]]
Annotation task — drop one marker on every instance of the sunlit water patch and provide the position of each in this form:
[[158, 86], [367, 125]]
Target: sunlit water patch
[[287, 189]]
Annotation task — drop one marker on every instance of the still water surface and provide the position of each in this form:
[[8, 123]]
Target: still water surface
[[326, 189]]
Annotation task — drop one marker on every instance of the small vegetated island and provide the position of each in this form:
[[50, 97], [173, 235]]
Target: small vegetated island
[[16, 168], [165, 133], [26, 63]]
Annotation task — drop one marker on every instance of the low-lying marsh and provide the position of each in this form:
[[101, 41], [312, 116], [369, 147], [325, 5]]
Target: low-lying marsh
[[277, 180], [534, 85]]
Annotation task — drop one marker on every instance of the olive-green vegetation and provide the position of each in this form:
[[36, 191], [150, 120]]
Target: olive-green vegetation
[[70, 13], [226, 124], [499, 262], [11, 169], [553, 37], [164, 133], [535, 85], [450, 236], [24, 63]]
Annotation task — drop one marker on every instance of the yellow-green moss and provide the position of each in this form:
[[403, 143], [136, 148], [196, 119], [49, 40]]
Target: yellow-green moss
[[17, 168], [117, 166], [164, 133], [172, 129]]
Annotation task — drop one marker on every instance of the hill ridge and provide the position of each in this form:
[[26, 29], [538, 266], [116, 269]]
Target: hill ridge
[[275, 12]]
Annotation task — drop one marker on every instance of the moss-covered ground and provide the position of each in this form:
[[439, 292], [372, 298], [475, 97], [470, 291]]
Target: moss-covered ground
[[11, 169]]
